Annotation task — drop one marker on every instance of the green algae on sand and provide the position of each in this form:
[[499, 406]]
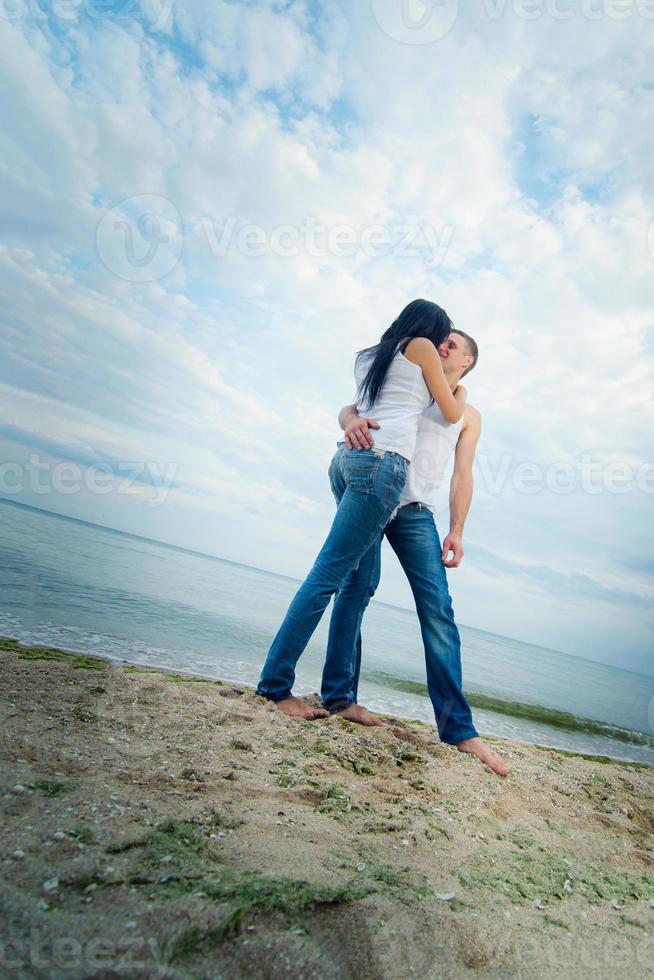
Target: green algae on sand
[[538, 873], [81, 661]]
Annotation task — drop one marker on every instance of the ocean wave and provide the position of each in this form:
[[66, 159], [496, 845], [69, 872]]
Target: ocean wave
[[519, 709]]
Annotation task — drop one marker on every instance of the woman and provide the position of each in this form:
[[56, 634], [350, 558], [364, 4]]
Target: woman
[[396, 380]]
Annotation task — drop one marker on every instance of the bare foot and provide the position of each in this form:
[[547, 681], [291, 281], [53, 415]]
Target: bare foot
[[484, 752], [297, 708], [361, 715]]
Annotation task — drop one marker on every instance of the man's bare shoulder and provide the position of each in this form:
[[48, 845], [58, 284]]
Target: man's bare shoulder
[[471, 416]]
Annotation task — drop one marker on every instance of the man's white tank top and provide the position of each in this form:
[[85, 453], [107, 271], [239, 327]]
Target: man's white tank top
[[435, 443], [400, 404]]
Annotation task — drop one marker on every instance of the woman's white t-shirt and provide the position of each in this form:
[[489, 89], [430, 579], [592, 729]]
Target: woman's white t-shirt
[[399, 406]]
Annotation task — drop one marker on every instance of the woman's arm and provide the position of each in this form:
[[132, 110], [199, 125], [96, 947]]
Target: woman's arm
[[422, 352]]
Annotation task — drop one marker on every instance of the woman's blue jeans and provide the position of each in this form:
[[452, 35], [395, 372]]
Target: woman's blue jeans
[[367, 485], [413, 537]]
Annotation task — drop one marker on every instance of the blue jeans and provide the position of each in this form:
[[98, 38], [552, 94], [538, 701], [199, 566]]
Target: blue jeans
[[414, 539], [367, 485]]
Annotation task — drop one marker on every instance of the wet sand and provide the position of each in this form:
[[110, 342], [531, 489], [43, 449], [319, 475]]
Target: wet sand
[[158, 824]]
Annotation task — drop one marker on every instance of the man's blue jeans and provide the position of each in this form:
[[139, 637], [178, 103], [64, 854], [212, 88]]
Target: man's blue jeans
[[414, 539], [367, 485]]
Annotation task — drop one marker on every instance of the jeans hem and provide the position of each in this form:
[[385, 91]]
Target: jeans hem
[[334, 706], [461, 738], [273, 697]]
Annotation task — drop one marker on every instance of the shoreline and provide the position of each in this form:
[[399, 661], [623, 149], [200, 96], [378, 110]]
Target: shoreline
[[496, 739], [475, 699], [529, 711], [297, 581], [192, 828]]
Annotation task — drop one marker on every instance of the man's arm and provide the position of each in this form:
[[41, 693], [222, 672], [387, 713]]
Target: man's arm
[[356, 428], [461, 486]]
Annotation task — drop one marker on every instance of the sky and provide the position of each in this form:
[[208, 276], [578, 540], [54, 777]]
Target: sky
[[208, 207]]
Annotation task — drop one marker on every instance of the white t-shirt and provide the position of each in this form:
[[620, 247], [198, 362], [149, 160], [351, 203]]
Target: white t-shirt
[[400, 404], [435, 443]]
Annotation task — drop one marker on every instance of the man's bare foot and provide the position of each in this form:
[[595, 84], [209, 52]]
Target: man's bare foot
[[297, 708], [361, 715], [484, 752]]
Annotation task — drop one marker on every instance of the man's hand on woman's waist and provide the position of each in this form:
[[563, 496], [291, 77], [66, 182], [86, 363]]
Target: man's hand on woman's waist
[[358, 435], [356, 428]]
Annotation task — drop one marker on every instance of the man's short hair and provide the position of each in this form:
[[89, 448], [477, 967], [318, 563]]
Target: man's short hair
[[471, 344]]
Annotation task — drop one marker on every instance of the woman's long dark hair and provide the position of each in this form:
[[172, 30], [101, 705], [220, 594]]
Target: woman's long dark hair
[[421, 318]]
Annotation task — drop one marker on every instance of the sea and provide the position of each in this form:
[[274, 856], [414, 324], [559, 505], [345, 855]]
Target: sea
[[82, 587]]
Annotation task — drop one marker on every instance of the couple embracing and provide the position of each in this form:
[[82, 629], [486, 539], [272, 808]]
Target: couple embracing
[[408, 417]]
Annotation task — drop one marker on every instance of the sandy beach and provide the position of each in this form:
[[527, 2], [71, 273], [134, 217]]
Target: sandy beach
[[158, 824]]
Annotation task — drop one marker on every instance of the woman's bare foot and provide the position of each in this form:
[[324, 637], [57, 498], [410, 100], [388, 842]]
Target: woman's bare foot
[[484, 752], [297, 708], [361, 715]]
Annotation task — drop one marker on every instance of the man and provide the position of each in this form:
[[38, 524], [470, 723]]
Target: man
[[413, 536]]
